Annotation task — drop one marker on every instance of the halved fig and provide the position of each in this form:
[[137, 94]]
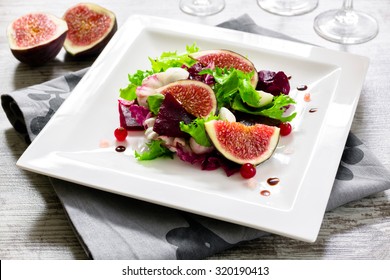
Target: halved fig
[[90, 29], [36, 38], [243, 144]]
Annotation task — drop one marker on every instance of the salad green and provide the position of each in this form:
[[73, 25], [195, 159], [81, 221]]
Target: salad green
[[156, 149], [197, 130]]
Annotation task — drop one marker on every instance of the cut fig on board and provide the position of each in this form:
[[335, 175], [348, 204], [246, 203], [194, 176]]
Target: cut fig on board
[[90, 29], [36, 38], [228, 59], [243, 144]]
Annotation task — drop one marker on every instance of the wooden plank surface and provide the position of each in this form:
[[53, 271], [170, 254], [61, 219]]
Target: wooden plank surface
[[33, 224]]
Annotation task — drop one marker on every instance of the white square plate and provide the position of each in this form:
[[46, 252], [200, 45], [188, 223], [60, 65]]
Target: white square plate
[[305, 161]]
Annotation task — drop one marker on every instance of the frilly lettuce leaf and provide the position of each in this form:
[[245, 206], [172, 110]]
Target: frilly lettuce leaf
[[274, 111], [197, 130], [229, 83], [248, 93], [173, 59], [233, 89], [165, 61], [155, 149], [135, 80], [154, 102]]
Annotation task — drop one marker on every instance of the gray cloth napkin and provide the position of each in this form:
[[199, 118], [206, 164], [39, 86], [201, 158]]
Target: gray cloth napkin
[[116, 227]]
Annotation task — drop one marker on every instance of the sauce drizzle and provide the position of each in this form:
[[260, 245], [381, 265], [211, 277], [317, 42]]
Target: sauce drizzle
[[265, 193], [273, 181], [302, 87], [313, 110], [120, 149]]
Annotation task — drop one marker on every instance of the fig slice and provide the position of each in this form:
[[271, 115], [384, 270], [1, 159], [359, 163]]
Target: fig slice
[[36, 38], [243, 144], [228, 59], [196, 97], [90, 29]]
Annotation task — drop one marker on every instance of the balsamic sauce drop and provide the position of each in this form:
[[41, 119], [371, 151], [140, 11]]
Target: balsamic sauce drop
[[273, 181], [265, 193], [302, 87], [313, 110], [120, 149]]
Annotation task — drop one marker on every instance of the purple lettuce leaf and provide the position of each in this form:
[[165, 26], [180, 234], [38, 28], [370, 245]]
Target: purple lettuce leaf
[[275, 83], [194, 74], [170, 115], [139, 113], [207, 161], [130, 115]]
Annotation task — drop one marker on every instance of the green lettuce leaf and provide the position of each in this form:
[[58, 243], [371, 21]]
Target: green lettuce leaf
[[192, 49], [248, 93], [156, 149], [231, 82], [166, 60], [128, 93], [154, 102], [135, 80], [173, 59], [274, 111], [197, 130], [226, 86]]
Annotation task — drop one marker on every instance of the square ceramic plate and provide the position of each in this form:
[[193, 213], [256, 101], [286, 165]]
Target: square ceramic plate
[[305, 162]]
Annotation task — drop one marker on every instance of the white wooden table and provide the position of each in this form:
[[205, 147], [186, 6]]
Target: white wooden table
[[33, 224]]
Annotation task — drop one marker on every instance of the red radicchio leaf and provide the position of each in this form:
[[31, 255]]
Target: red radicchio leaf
[[170, 115], [208, 161], [126, 117], [274, 83], [139, 113], [194, 74]]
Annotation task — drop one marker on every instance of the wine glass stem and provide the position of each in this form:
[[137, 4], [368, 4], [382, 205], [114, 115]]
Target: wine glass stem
[[347, 16], [348, 5], [201, 2], [346, 25]]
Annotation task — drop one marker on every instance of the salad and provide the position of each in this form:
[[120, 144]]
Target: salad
[[210, 108]]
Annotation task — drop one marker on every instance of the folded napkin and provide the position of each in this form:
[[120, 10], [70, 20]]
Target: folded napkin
[[110, 226]]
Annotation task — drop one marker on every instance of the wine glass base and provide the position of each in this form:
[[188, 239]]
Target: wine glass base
[[346, 27], [202, 8], [288, 8]]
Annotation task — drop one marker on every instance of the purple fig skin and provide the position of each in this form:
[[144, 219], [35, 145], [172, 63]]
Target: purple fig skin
[[40, 54], [36, 38]]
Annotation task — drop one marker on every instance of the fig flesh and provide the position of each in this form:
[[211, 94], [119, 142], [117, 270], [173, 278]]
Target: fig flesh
[[90, 29], [36, 38], [228, 59], [243, 144], [196, 97]]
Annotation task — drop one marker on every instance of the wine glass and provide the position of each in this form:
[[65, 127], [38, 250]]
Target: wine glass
[[346, 25], [288, 7], [202, 7]]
